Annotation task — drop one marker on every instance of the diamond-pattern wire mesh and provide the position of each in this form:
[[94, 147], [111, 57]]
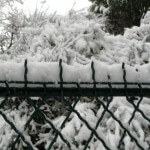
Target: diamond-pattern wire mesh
[[38, 115]]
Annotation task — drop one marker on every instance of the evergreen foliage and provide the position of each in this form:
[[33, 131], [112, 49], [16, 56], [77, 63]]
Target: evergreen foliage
[[122, 13]]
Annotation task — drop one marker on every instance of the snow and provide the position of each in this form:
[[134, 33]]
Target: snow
[[49, 72], [43, 72], [11, 71], [78, 39]]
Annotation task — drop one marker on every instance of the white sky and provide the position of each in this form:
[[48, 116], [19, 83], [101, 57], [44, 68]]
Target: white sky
[[61, 6]]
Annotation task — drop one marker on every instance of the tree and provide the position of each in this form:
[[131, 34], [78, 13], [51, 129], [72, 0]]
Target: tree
[[122, 13], [10, 21]]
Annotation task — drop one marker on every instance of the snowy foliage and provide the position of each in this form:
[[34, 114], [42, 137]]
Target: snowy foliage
[[75, 39], [72, 38], [78, 37]]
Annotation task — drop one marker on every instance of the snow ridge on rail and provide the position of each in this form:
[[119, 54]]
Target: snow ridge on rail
[[49, 72]]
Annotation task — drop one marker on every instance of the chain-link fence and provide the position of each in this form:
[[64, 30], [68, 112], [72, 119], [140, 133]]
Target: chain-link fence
[[69, 115]]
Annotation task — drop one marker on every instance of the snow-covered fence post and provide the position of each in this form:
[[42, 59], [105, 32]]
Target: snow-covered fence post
[[103, 113], [128, 99], [98, 122], [61, 78], [25, 75], [61, 97], [7, 89]]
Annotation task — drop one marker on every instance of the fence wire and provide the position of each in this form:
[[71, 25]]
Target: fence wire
[[54, 101]]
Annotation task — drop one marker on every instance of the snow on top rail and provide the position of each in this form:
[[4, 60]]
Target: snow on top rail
[[50, 72]]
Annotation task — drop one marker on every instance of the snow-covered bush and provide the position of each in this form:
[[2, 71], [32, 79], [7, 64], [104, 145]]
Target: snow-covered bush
[[76, 38], [75, 35], [146, 19]]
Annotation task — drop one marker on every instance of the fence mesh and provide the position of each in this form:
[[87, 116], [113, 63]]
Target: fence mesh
[[41, 115]]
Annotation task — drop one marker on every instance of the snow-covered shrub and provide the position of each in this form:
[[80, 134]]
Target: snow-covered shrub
[[146, 19], [76, 35], [138, 33], [76, 38]]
